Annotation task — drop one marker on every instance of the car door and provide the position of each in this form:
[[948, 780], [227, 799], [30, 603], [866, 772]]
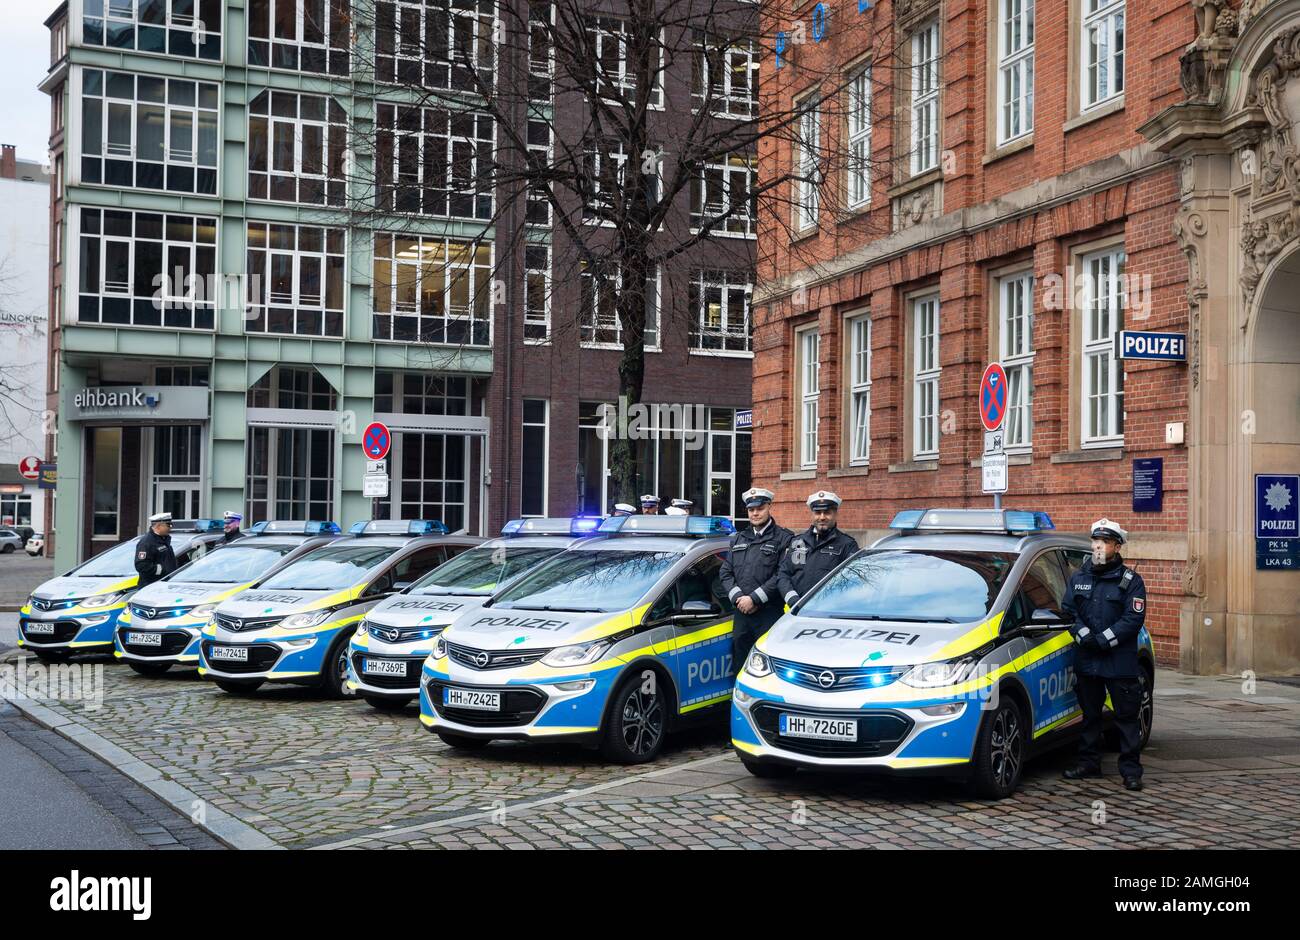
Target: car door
[[701, 622], [1050, 677]]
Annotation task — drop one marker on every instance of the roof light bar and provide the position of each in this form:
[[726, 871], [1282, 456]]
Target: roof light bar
[[554, 525], [694, 526], [295, 527], [1011, 521], [398, 527]]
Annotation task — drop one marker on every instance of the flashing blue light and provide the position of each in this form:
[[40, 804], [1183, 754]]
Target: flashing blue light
[[907, 519], [1017, 520], [257, 527], [427, 527], [512, 527], [585, 525], [879, 678], [322, 528], [709, 525], [358, 527], [612, 524]]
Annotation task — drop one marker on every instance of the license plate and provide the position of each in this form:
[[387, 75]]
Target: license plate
[[35, 626], [144, 639], [383, 667], [471, 698], [821, 729], [236, 654]]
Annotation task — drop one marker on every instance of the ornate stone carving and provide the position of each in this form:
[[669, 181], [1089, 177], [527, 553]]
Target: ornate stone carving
[[1190, 230], [1261, 240], [1248, 10]]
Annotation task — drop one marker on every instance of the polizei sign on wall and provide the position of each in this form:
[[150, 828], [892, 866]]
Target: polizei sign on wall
[[1139, 344]]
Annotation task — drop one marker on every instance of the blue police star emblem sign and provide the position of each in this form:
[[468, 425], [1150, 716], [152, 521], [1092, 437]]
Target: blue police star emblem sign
[[1277, 521]]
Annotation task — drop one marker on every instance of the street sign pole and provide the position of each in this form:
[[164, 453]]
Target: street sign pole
[[993, 411]]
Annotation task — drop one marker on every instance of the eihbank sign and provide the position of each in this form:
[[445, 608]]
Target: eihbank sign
[[141, 403]]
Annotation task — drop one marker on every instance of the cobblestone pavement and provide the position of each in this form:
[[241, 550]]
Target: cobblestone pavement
[[1223, 769]]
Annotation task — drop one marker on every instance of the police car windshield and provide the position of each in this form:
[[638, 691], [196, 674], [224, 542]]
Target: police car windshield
[[237, 563], [480, 570], [919, 586], [117, 562], [588, 581], [328, 568]]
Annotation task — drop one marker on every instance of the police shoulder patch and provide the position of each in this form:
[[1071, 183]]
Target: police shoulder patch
[[1138, 604], [142, 555]]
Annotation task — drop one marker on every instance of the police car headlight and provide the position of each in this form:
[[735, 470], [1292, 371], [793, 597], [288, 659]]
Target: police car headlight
[[105, 600], [933, 675], [580, 654], [758, 665], [439, 648], [203, 610], [311, 619]]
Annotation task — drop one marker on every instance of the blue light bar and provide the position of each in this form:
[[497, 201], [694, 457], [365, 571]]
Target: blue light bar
[[907, 519], [613, 524], [427, 527], [584, 525], [257, 527], [554, 525], [294, 527], [709, 525], [1010, 521], [694, 526], [398, 527], [512, 527]]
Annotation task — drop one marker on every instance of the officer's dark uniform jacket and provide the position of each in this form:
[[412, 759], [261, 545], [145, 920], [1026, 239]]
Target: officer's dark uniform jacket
[[1109, 606], [152, 551], [810, 558], [752, 568], [231, 536]]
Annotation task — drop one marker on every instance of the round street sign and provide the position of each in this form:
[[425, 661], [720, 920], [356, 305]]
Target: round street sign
[[30, 468], [993, 396], [375, 440]]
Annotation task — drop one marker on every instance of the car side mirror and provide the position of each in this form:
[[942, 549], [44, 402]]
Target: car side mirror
[[699, 609], [1046, 617]]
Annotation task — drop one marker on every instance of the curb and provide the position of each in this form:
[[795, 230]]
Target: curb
[[222, 826]]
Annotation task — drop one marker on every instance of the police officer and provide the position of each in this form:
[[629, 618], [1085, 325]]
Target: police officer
[[815, 553], [232, 520], [1108, 602], [749, 574], [623, 509], [649, 505], [153, 553], [684, 505]]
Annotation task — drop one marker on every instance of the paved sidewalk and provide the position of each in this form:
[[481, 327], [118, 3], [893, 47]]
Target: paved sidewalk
[[287, 768]]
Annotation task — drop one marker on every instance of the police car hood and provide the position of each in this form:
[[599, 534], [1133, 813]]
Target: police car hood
[[181, 594], [498, 628], [434, 610], [268, 602], [816, 641], [70, 586]]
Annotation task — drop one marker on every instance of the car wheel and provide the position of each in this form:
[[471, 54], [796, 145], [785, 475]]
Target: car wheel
[[387, 704], [148, 669], [334, 676], [463, 742], [636, 722], [8, 549], [237, 687], [769, 770], [999, 752]]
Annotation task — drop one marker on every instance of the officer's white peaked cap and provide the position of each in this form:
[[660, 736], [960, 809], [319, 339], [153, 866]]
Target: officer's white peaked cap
[[1104, 528]]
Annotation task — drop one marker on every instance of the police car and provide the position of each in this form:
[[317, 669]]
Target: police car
[[397, 635], [943, 648], [295, 625], [160, 626], [76, 613], [614, 642]]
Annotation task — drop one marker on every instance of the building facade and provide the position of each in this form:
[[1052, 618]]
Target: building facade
[[1006, 180], [249, 158], [24, 195]]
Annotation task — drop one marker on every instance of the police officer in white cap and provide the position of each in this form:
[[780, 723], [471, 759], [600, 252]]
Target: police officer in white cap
[[685, 505], [749, 574], [1107, 600], [154, 557], [623, 509], [815, 553], [649, 505], [676, 511], [232, 521]]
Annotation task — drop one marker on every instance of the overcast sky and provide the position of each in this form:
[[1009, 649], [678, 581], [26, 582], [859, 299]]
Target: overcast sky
[[24, 60]]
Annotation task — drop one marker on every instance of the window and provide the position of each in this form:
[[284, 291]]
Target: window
[[148, 132], [189, 28], [1103, 374], [435, 43], [859, 367], [423, 394], [181, 375], [807, 169], [1015, 69], [541, 57], [177, 451], [532, 478], [295, 280], [719, 301], [59, 41], [724, 76], [435, 468], [859, 139], [537, 208], [598, 299], [1103, 51], [726, 187], [925, 99], [16, 508], [434, 161], [296, 146], [610, 41], [1016, 353], [537, 293], [106, 472], [147, 269], [432, 290], [300, 35], [293, 388], [606, 173], [808, 366], [925, 377], [290, 473]]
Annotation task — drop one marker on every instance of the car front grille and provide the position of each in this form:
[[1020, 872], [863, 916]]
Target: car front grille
[[879, 733], [158, 613], [52, 604], [835, 679], [246, 624], [518, 706], [492, 659], [261, 657], [409, 680], [64, 631], [403, 634], [173, 643]]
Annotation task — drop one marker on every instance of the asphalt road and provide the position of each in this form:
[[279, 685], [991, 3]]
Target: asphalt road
[[19, 574], [53, 812]]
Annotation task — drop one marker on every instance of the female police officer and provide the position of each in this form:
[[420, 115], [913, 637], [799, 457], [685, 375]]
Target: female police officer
[[1108, 602]]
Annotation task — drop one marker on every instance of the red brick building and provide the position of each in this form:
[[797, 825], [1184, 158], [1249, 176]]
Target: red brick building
[[982, 192]]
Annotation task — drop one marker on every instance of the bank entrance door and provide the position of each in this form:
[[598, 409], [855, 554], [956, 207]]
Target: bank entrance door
[[179, 499]]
